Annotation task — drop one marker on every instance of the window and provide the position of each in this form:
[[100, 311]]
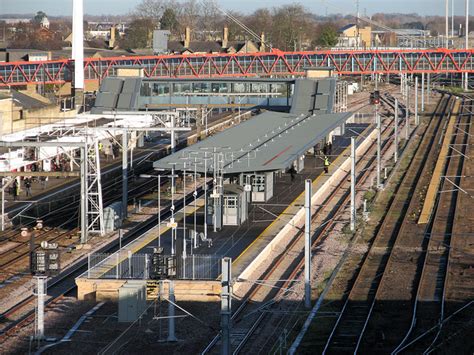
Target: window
[[160, 89], [230, 202], [258, 183]]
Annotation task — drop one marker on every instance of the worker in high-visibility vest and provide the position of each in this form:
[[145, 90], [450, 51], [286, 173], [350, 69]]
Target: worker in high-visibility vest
[[326, 164]]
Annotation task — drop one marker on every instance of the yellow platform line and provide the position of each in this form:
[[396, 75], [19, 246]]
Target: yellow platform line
[[435, 182]]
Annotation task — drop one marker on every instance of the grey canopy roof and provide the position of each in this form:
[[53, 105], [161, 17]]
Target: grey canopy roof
[[268, 142]]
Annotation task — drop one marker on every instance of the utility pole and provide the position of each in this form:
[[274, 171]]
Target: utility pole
[[78, 51], [396, 132], [171, 315], [422, 92], [447, 23], [452, 18], [205, 195], [124, 173], [353, 183], [466, 81], [184, 221], [40, 296], [379, 147], [226, 306], [307, 245], [428, 88], [407, 116], [84, 212], [417, 120]]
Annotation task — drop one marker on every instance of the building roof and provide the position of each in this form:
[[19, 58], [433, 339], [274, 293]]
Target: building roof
[[270, 141], [27, 102], [346, 27]]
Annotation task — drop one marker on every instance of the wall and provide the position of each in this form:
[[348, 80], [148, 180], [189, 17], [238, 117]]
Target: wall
[[185, 290]]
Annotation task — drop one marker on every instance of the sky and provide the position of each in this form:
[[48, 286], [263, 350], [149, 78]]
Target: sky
[[120, 7]]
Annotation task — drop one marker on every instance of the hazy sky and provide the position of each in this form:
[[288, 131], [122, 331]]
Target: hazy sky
[[117, 7]]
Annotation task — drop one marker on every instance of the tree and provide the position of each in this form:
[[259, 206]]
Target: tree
[[152, 9], [40, 15], [328, 36], [169, 21], [139, 34], [290, 24]]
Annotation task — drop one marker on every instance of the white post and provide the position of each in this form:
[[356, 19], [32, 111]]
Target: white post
[[353, 183], [417, 120], [3, 205], [467, 25], [89, 265], [407, 118], [428, 88], [466, 80], [159, 210], [396, 131], [307, 245], [173, 229], [184, 221], [379, 146], [226, 305], [173, 134], [84, 222], [78, 49], [124, 173], [452, 18], [145, 272], [447, 22], [422, 92], [41, 294], [171, 328], [205, 195], [195, 244]]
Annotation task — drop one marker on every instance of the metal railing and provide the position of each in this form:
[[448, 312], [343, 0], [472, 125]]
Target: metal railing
[[125, 265]]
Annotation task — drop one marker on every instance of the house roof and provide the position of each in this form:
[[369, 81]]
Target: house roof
[[195, 46], [27, 102], [346, 27]]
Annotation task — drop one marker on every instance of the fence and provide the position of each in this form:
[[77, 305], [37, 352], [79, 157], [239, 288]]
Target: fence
[[125, 265]]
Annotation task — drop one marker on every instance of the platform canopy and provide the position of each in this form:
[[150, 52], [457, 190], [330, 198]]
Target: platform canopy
[[270, 141]]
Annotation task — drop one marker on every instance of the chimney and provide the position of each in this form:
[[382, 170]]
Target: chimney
[[78, 43], [187, 37], [112, 37], [225, 37], [262, 42]]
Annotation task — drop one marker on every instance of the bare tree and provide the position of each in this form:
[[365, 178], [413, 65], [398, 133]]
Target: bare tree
[[153, 9], [189, 14], [210, 17]]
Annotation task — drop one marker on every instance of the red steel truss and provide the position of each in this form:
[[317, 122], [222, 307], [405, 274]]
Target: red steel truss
[[276, 63]]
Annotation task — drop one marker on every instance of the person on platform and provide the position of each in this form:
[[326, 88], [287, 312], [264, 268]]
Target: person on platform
[[327, 163], [15, 190], [28, 187]]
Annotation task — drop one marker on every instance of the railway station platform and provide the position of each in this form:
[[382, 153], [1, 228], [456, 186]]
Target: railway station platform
[[242, 243], [55, 191]]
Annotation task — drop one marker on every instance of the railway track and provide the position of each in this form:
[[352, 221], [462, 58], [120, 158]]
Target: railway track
[[429, 310], [267, 292], [115, 168], [22, 313], [351, 324], [19, 249]]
